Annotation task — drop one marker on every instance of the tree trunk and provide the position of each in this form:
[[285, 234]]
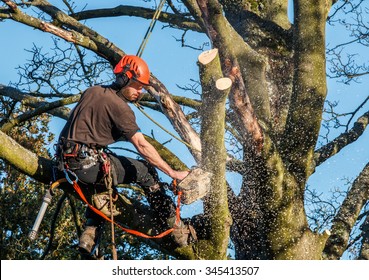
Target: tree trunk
[[215, 92]]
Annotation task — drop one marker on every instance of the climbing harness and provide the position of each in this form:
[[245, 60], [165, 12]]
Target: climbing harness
[[102, 157], [70, 177], [78, 190], [150, 29], [50, 192]]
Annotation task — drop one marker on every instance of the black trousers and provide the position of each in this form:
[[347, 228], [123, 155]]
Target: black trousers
[[128, 171]]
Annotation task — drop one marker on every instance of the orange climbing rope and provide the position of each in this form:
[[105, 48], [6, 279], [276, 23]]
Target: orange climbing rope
[[77, 188]]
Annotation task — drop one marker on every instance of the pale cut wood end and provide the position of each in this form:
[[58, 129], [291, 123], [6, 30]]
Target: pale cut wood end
[[207, 56], [223, 83]]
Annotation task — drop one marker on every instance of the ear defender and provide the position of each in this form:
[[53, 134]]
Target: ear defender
[[121, 80]]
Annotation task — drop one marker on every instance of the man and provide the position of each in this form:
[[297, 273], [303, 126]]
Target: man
[[102, 117]]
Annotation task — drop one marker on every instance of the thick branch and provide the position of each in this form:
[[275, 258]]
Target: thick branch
[[309, 87], [176, 116], [340, 142], [231, 46], [215, 92], [347, 216], [25, 161], [180, 21], [80, 33]]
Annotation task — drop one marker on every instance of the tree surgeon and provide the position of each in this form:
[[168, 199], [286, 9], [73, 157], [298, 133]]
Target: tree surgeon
[[103, 117]]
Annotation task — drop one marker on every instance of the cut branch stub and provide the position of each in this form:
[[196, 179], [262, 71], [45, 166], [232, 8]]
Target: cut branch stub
[[223, 83], [208, 56]]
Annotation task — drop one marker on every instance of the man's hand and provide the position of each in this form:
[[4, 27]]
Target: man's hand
[[179, 175]]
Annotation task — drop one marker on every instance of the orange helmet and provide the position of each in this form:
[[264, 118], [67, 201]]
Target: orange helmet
[[135, 68]]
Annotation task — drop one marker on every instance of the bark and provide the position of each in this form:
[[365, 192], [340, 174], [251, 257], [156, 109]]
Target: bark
[[347, 216], [364, 250], [340, 142], [309, 88], [215, 92]]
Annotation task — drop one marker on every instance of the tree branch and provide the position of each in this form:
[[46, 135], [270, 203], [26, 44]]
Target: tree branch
[[180, 21], [340, 142], [231, 46], [180, 100], [28, 163], [347, 215], [44, 108], [309, 87], [176, 116], [79, 34], [34, 102]]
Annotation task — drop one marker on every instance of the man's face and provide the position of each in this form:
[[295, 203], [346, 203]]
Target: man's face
[[133, 91]]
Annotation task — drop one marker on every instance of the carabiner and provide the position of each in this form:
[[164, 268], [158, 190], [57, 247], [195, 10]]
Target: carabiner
[[66, 171]]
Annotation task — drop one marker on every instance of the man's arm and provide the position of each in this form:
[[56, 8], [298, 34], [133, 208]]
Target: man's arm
[[153, 157]]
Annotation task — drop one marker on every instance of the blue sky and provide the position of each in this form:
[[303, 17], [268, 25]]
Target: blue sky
[[174, 65]]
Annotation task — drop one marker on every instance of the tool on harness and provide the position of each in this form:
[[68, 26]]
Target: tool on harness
[[194, 186], [41, 213], [74, 156], [45, 203]]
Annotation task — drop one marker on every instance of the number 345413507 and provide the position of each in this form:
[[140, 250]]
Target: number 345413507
[[220, 270]]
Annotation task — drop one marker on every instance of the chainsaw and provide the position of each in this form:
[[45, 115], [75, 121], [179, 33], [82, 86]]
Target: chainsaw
[[194, 186]]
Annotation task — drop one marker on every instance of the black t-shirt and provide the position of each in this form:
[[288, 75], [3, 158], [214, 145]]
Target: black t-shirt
[[100, 118]]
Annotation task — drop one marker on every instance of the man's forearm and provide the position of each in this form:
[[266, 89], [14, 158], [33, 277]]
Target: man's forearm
[[150, 154]]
